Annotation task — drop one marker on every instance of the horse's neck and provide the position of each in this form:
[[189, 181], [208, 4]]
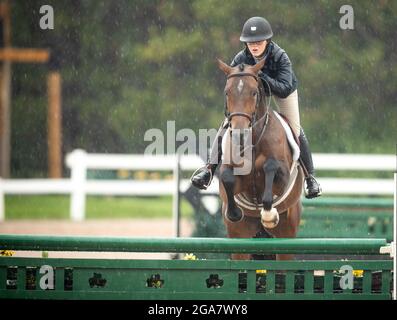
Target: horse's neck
[[264, 105], [261, 119]]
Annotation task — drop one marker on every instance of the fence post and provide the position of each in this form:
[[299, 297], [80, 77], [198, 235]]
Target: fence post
[[2, 206], [176, 196], [394, 243], [78, 164]]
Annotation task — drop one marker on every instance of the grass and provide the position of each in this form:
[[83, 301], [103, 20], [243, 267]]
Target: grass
[[57, 207]]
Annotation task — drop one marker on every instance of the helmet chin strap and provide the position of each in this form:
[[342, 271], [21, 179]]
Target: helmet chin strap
[[261, 56]]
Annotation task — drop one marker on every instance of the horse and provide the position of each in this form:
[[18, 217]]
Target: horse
[[265, 201]]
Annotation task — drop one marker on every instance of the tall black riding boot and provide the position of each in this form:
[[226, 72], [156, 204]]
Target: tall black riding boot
[[313, 188], [202, 177]]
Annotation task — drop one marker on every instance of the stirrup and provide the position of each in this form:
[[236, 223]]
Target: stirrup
[[200, 170], [313, 195]]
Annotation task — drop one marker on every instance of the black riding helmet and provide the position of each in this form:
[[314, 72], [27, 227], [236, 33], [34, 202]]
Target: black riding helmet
[[256, 29]]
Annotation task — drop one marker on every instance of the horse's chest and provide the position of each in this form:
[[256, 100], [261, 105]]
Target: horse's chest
[[259, 162]]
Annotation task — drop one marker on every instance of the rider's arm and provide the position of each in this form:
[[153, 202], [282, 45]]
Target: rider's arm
[[239, 58], [282, 85]]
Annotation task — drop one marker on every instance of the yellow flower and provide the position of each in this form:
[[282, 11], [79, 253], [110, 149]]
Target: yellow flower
[[189, 256], [6, 253], [140, 175], [358, 273], [123, 174]]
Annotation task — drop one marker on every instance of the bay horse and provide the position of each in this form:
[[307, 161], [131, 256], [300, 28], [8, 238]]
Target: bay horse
[[266, 200]]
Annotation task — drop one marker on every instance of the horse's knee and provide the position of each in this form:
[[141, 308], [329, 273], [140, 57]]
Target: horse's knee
[[270, 168], [270, 164], [227, 178]]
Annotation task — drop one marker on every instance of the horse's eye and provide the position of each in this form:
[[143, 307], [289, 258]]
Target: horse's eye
[[254, 93]]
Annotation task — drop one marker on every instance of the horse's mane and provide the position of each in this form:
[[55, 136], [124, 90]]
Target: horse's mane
[[262, 94]]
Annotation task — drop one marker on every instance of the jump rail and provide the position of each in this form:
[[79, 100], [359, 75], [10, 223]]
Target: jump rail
[[197, 245], [54, 278]]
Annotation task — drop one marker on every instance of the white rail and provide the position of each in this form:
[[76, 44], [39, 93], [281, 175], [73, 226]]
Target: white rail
[[79, 162]]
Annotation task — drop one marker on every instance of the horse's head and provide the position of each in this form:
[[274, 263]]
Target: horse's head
[[242, 96]]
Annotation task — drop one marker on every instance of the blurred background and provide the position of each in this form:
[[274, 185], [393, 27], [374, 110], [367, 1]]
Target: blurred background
[[129, 66]]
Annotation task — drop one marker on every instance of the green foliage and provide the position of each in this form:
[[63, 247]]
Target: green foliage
[[129, 66], [57, 207], [209, 226]]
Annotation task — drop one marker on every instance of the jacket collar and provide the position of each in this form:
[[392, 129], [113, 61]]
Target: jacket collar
[[268, 52]]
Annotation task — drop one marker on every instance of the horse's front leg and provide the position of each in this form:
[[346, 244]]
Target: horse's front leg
[[269, 215], [233, 213]]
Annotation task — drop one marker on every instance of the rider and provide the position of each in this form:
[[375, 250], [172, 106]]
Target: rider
[[277, 72]]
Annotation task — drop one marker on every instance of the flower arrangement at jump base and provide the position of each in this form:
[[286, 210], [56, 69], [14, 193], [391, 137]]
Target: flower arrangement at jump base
[[189, 256], [6, 253]]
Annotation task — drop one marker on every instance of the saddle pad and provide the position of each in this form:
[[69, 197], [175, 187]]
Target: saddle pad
[[290, 137]]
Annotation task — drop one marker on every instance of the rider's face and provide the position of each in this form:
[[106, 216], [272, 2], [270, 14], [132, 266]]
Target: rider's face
[[257, 48]]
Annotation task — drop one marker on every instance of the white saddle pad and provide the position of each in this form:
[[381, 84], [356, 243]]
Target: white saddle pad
[[294, 146]]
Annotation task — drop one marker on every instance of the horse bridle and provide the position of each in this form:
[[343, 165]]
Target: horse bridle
[[242, 114], [252, 117]]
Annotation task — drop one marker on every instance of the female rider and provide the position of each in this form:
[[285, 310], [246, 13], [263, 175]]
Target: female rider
[[277, 72]]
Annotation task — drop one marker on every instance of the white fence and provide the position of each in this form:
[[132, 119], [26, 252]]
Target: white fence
[[79, 187]]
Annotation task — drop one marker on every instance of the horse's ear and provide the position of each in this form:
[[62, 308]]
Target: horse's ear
[[224, 67], [259, 66]]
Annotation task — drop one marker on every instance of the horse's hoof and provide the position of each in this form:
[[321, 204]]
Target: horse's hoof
[[235, 215], [270, 218]]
